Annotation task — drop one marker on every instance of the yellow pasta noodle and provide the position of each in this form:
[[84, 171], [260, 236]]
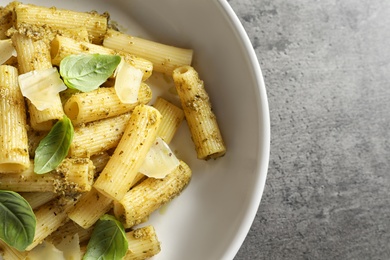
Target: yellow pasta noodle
[[102, 103], [35, 55], [89, 208], [10, 253], [172, 117], [201, 119], [137, 204], [78, 173], [50, 217], [54, 18], [98, 136], [69, 229], [63, 46], [14, 155], [143, 243], [37, 199], [141, 131], [73, 175], [6, 19], [165, 58]]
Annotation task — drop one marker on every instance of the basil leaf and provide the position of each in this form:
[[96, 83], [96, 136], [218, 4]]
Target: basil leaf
[[108, 240], [87, 72], [17, 220], [54, 147]]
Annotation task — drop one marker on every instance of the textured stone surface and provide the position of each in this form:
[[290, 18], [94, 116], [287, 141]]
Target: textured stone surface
[[326, 66]]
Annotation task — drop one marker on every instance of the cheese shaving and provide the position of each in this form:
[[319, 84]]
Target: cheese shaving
[[127, 82], [159, 161], [45, 250], [7, 50], [42, 87]]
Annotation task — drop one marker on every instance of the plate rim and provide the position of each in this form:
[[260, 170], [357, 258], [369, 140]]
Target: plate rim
[[265, 132]]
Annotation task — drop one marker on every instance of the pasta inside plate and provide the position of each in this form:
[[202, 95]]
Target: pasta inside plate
[[125, 141]]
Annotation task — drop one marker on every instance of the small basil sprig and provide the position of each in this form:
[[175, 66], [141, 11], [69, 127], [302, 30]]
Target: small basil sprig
[[17, 220], [54, 147], [86, 72], [108, 240]]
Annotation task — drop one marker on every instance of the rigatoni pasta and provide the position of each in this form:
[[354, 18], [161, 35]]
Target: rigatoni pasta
[[32, 54], [201, 120], [72, 176], [13, 133], [112, 141], [6, 19], [10, 253], [98, 136], [89, 208], [120, 171], [137, 204], [172, 117], [143, 243], [70, 228], [35, 56], [37, 199], [102, 103], [63, 46], [57, 19], [46, 223], [165, 58]]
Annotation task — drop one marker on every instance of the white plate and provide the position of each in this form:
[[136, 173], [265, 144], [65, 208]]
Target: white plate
[[213, 215]]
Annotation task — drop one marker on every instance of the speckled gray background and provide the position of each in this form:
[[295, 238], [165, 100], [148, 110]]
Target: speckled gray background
[[326, 65]]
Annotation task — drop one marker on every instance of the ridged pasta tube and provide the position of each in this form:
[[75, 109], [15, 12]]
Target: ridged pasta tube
[[151, 194], [172, 117], [14, 156], [101, 103], [143, 243], [165, 58], [201, 119], [120, 171]]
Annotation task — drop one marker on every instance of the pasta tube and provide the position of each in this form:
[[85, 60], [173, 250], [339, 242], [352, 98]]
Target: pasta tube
[[172, 117], [78, 173], [50, 217], [35, 55], [138, 203], [98, 136], [6, 19], [89, 208], [63, 46], [11, 253], [14, 156], [200, 118], [165, 58], [143, 243], [102, 103], [37, 199], [120, 171], [96, 24], [73, 175], [69, 229]]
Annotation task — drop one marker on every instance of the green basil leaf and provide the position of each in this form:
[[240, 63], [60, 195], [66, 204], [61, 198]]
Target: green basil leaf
[[86, 72], [54, 147], [17, 220], [108, 240]]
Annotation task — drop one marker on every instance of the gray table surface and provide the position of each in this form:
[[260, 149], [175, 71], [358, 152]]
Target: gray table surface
[[326, 66]]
